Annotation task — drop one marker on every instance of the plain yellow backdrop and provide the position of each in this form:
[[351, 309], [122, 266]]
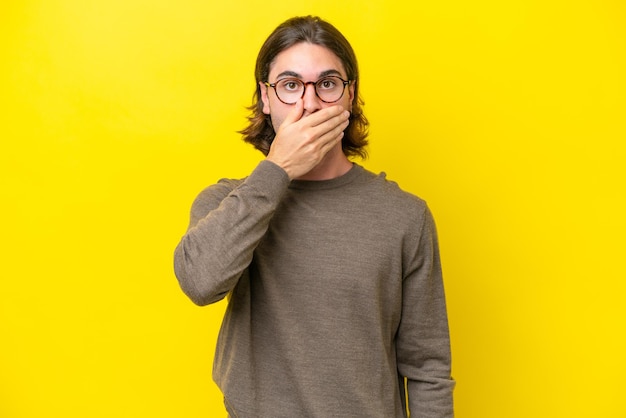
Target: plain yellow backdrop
[[508, 117]]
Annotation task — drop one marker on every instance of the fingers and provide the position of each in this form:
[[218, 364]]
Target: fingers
[[316, 126], [296, 112], [331, 114], [332, 126], [333, 130]]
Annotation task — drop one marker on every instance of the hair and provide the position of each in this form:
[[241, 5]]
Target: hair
[[310, 29]]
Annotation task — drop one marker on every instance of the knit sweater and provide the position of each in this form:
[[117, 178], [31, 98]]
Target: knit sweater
[[335, 296]]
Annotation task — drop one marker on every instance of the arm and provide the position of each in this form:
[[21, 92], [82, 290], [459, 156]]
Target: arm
[[423, 342], [224, 231]]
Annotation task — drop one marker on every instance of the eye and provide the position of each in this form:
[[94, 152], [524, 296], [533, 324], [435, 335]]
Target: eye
[[290, 84], [327, 83]]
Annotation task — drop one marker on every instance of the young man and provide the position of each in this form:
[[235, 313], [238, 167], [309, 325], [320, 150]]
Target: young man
[[336, 302]]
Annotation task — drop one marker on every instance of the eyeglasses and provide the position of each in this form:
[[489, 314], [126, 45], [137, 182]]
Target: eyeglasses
[[329, 89]]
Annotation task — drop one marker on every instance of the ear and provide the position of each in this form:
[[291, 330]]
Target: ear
[[265, 98], [351, 88]]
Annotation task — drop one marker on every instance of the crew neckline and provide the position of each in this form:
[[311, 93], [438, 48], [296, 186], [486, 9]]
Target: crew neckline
[[342, 180]]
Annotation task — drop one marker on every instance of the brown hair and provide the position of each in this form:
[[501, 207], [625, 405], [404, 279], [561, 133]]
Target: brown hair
[[311, 29]]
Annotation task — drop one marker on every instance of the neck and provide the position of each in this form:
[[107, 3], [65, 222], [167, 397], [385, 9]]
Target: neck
[[335, 164]]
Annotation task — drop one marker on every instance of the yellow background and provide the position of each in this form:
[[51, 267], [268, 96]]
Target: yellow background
[[508, 117]]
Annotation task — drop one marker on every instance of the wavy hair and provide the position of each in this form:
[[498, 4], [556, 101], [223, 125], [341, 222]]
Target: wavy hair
[[314, 30]]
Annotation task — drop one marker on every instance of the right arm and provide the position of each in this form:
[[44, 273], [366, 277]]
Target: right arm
[[224, 232]]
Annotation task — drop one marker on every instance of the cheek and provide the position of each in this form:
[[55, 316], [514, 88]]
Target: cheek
[[276, 121], [346, 102]]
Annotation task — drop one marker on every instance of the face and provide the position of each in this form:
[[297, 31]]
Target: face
[[307, 62]]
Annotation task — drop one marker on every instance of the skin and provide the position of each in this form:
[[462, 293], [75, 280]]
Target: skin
[[308, 133]]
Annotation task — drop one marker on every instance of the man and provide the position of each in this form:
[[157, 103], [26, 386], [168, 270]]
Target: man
[[336, 303]]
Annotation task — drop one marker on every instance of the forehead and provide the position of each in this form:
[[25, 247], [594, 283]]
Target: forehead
[[307, 60]]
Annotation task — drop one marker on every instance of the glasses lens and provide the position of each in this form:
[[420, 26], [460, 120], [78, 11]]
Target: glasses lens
[[329, 89], [289, 90]]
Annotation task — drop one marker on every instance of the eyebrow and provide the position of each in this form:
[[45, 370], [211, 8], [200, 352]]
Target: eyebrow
[[296, 75]]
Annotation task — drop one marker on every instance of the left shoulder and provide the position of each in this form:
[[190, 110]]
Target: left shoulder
[[390, 193]]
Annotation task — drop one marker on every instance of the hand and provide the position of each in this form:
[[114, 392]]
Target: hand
[[301, 143]]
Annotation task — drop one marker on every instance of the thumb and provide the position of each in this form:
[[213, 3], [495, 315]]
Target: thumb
[[296, 112]]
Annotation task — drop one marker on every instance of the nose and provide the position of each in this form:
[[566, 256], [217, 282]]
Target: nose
[[312, 103]]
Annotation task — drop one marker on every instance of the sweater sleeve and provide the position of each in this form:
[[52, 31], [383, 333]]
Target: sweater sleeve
[[422, 341], [224, 231]]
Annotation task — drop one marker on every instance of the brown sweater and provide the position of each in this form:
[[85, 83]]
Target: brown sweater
[[335, 296]]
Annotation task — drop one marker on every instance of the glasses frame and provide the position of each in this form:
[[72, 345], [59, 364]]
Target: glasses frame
[[306, 84]]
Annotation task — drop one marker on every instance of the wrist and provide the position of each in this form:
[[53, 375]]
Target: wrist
[[282, 165]]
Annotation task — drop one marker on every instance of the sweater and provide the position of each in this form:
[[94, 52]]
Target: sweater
[[336, 304]]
